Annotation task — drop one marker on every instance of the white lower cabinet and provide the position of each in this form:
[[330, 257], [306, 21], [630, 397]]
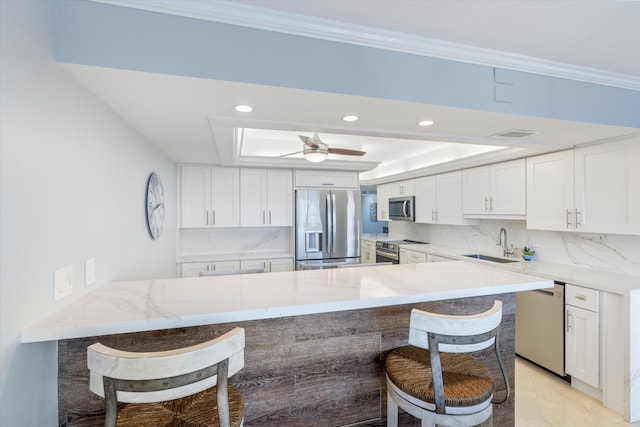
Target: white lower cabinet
[[438, 258], [194, 269], [407, 256], [582, 334], [267, 265], [412, 257], [368, 252]]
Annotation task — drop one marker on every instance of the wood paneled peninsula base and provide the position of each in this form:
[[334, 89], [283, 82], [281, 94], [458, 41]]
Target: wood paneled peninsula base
[[315, 340], [324, 369]]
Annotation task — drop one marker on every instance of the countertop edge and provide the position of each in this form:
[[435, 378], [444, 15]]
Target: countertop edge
[[72, 332]]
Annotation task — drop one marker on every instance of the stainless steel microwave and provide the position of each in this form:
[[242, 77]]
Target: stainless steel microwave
[[401, 208]]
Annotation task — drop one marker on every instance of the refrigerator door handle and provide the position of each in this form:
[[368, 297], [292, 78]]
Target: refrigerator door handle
[[333, 222], [329, 225]]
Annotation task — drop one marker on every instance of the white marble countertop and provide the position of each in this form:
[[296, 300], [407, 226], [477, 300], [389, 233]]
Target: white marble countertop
[[374, 237], [122, 307], [576, 275]]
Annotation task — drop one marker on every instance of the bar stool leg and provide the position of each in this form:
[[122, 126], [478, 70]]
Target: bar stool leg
[[392, 412]]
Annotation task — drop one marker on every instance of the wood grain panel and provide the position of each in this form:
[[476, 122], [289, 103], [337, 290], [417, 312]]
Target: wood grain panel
[[314, 370]]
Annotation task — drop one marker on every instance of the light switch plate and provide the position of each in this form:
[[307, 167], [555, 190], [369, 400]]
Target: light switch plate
[[89, 271], [62, 282]]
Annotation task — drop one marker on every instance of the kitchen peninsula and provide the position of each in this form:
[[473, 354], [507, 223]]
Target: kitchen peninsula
[[316, 340]]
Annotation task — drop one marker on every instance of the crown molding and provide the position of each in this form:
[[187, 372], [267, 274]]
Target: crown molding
[[265, 19]]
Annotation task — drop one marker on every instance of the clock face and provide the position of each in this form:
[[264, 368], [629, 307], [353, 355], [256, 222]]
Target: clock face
[[155, 205]]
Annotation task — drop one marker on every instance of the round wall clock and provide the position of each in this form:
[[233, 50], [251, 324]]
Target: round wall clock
[[155, 205]]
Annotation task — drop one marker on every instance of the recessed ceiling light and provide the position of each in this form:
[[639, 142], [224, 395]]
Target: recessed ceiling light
[[350, 118], [425, 123], [244, 108]]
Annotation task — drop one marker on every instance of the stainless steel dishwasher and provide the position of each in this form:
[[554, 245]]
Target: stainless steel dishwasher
[[540, 327]]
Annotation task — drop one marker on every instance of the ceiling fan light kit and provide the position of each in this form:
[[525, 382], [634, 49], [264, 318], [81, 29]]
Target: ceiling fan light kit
[[315, 155]]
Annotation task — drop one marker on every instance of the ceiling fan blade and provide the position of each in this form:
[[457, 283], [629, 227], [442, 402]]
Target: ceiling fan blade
[[346, 152], [290, 154], [308, 141]]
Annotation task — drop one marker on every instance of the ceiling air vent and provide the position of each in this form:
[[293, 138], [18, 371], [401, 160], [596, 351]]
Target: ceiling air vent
[[514, 133]]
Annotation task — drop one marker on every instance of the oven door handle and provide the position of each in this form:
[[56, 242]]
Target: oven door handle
[[390, 255]]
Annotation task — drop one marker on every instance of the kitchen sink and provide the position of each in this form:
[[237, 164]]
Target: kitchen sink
[[490, 258]]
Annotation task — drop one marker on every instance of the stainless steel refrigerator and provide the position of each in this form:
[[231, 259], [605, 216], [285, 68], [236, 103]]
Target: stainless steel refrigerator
[[327, 228]]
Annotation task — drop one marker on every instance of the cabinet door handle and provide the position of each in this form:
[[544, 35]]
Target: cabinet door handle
[[568, 321], [269, 216], [213, 217], [206, 217], [578, 213], [263, 217], [486, 201], [568, 218], [490, 204]]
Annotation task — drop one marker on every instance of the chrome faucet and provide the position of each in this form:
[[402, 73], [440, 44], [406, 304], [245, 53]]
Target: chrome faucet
[[505, 252]]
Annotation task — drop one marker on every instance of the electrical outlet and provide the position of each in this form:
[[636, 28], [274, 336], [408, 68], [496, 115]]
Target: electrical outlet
[[534, 241], [62, 282], [89, 271]]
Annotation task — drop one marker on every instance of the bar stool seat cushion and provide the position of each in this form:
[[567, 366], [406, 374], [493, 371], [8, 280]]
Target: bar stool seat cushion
[[197, 410], [466, 381]]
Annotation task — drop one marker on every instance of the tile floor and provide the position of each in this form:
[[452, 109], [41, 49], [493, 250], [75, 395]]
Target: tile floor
[[542, 399]]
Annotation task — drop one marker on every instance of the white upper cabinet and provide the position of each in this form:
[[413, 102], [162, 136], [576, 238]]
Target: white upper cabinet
[[607, 188], [426, 200], [550, 191], [439, 199], [209, 197], [382, 199], [402, 188], [266, 197], [495, 190], [312, 178], [592, 189]]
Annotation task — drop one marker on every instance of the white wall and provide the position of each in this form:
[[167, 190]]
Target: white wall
[[73, 179], [615, 253]]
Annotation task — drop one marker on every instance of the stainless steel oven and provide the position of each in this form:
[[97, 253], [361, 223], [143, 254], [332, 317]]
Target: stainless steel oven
[[389, 251]]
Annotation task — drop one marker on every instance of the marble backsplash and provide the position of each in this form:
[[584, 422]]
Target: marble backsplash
[[614, 253], [227, 241]]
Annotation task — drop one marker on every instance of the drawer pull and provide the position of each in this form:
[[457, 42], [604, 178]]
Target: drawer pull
[[581, 297]]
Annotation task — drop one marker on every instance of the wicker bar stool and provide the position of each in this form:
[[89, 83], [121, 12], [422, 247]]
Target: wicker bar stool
[[183, 387], [433, 380]]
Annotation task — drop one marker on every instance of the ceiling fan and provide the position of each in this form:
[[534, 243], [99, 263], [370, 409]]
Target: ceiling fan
[[316, 151]]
